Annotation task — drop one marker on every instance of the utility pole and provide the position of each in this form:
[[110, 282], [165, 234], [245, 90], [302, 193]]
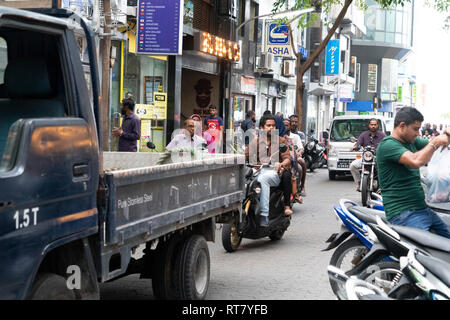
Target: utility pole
[[105, 48]]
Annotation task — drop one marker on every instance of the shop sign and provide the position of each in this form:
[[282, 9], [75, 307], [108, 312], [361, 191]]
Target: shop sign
[[248, 85], [160, 27], [332, 57], [217, 46], [277, 40]]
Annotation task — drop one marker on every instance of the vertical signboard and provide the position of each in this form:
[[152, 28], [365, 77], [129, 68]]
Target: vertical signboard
[[160, 27], [332, 58]]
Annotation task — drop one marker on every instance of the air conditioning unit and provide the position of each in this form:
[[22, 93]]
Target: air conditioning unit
[[267, 60], [289, 68]]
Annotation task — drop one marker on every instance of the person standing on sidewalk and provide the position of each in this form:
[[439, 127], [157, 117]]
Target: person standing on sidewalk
[[371, 138], [399, 158], [130, 131], [214, 126]]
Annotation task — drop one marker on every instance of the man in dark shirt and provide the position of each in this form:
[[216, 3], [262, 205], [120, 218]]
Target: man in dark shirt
[[371, 138], [130, 131], [248, 123]]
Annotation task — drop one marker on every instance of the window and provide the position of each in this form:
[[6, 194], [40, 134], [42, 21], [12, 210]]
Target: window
[[390, 20], [35, 83], [372, 78], [345, 129], [3, 59], [380, 19]]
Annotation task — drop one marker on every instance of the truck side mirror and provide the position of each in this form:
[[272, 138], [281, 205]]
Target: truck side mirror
[[325, 134]]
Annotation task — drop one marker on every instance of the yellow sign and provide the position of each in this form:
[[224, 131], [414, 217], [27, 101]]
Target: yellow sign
[[160, 108], [144, 111]]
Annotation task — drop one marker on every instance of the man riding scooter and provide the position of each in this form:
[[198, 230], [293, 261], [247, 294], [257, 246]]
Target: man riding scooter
[[270, 177]]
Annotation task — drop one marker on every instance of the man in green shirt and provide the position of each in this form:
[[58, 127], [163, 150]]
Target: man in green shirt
[[399, 158]]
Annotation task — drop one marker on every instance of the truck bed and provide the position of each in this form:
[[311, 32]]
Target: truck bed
[[153, 200]]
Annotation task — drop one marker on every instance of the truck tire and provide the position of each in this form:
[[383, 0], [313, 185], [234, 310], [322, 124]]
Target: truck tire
[[193, 268], [50, 286], [163, 268], [230, 237]]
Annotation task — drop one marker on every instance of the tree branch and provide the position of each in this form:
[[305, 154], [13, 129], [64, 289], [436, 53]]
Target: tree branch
[[324, 42]]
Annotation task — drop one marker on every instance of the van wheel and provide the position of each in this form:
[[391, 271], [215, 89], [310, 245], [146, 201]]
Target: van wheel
[[331, 175], [50, 286], [193, 268]]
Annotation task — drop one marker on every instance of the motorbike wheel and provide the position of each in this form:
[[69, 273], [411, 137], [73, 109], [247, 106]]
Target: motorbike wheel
[[231, 239], [383, 274], [345, 257], [365, 192], [276, 235]]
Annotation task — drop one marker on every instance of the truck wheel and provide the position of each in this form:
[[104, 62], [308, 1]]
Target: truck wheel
[[194, 268], [230, 237], [163, 267], [331, 175], [50, 286]]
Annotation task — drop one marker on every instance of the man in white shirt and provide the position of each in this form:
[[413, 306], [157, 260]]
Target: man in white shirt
[[187, 138]]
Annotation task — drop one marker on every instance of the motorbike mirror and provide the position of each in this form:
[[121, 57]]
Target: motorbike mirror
[[388, 133], [204, 146], [283, 148], [151, 145]]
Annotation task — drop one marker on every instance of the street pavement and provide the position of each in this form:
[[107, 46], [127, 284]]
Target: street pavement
[[293, 268]]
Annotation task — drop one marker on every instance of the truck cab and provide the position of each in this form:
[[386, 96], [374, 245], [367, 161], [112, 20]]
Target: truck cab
[[344, 131]]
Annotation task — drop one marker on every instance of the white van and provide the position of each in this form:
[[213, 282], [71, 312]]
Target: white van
[[344, 130]]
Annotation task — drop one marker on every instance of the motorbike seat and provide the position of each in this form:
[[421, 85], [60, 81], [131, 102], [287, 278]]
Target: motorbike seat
[[424, 238], [437, 267], [366, 214]]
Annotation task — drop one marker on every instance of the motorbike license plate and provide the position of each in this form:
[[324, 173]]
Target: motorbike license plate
[[343, 164]]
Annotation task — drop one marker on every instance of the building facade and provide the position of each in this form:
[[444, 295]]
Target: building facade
[[379, 55]]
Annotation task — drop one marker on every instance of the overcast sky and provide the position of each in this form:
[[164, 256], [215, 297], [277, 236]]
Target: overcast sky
[[432, 57]]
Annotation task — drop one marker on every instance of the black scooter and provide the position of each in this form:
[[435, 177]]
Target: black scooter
[[248, 225], [313, 154]]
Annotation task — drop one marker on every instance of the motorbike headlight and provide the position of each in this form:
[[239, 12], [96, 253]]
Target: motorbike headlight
[[310, 146], [368, 156]]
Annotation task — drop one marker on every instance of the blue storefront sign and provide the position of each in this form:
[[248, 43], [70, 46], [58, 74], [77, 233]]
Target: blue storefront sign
[[332, 57], [367, 105], [160, 27]]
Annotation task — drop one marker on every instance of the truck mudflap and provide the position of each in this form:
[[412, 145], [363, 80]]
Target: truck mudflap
[[337, 238]]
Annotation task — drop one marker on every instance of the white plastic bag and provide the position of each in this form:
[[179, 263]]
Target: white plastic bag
[[438, 177]]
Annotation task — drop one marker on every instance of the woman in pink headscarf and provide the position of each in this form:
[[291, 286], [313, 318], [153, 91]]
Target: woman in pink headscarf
[[205, 134]]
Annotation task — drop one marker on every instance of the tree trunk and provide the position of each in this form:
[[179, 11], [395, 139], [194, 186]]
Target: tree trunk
[[301, 69], [106, 63]]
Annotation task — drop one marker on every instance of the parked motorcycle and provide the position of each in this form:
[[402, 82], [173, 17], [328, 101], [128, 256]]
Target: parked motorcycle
[[313, 154], [248, 226], [424, 268], [369, 175], [352, 220]]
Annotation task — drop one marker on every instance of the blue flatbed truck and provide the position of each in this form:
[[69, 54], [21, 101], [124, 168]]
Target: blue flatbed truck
[[71, 216]]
